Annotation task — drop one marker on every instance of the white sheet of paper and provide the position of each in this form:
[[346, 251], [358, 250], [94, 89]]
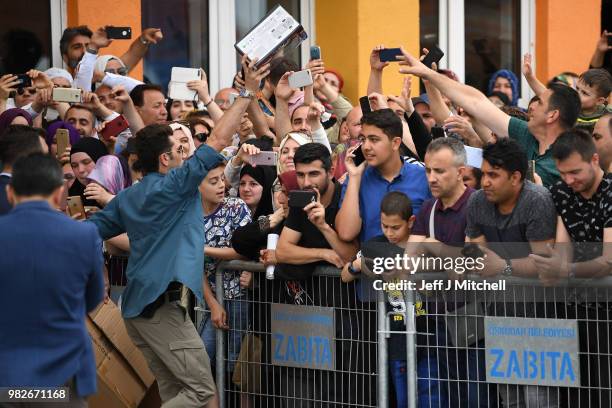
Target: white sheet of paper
[[474, 156]]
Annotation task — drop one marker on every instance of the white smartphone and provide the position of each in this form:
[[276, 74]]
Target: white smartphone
[[70, 95], [232, 97], [300, 79], [177, 88], [263, 159]]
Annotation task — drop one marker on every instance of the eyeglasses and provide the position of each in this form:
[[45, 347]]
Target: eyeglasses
[[201, 137], [119, 71]]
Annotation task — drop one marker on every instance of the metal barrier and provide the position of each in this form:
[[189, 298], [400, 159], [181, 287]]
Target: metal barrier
[[359, 377], [572, 321]]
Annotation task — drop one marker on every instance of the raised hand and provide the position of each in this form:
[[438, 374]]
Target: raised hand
[[152, 35], [375, 63], [253, 75]]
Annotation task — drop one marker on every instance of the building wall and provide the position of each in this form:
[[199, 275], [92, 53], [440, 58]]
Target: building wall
[[97, 14], [566, 34]]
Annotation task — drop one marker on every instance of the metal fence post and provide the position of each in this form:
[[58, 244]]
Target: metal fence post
[[220, 352], [383, 366], [411, 366]]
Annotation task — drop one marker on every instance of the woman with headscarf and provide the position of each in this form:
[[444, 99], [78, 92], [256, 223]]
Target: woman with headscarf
[[287, 148], [14, 116], [255, 189], [51, 137], [107, 180], [506, 82], [182, 133], [83, 158]]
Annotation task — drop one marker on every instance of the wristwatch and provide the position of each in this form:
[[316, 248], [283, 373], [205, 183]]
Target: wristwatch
[[245, 93], [507, 271], [352, 270], [143, 41], [264, 223]]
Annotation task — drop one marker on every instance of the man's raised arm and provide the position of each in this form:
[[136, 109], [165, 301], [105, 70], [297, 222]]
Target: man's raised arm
[[469, 98]]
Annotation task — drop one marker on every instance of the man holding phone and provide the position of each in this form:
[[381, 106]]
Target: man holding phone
[[164, 212]]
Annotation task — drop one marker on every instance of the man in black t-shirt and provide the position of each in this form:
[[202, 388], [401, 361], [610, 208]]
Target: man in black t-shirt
[[309, 236]]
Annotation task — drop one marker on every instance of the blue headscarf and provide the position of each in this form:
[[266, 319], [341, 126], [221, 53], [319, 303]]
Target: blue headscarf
[[509, 75]]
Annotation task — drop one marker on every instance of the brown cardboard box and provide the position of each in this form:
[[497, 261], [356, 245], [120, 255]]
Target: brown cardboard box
[[123, 374]]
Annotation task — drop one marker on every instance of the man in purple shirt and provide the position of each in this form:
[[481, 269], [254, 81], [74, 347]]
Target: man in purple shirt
[[445, 164]]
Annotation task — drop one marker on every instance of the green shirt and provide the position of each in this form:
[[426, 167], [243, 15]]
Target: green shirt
[[544, 164]]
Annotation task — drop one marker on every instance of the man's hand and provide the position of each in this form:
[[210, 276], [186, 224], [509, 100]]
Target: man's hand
[[463, 127], [316, 212], [99, 39], [246, 279], [551, 267], [412, 65], [494, 264], [329, 255], [40, 80], [378, 101], [526, 68], [201, 87], [375, 63], [283, 91], [352, 170], [244, 153], [94, 191], [404, 100], [315, 111], [602, 42], [8, 83], [151, 35], [121, 94], [268, 257], [218, 315], [253, 75]]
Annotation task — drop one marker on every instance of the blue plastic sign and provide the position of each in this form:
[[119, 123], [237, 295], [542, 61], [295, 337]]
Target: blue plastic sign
[[303, 336], [532, 351]]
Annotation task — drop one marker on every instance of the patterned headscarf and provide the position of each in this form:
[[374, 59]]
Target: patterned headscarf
[[509, 75], [109, 174]]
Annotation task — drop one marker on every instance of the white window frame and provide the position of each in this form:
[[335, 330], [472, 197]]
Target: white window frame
[[59, 13], [451, 34]]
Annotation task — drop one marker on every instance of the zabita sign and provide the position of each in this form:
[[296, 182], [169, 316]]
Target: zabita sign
[[303, 336], [532, 351]]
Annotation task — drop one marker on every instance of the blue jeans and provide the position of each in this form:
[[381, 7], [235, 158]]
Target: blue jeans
[[238, 320]]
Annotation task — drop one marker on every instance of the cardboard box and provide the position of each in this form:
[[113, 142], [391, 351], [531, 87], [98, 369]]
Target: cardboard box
[[123, 374]]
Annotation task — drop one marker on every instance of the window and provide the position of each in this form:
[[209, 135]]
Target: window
[[429, 23], [492, 40], [249, 12], [184, 24], [25, 36]]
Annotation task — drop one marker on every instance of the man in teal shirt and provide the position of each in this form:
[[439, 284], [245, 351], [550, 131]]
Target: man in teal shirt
[[556, 111], [162, 215]]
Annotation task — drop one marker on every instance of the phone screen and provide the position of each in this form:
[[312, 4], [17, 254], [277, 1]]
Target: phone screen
[[435, 55], [359, 157], [364, 102]]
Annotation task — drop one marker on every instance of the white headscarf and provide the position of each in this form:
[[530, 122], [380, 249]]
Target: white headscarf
[[60, 73], [177, 126], [300, 138], [102, 60]]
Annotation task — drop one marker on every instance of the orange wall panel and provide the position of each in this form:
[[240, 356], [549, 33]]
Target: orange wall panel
[[95, 14]]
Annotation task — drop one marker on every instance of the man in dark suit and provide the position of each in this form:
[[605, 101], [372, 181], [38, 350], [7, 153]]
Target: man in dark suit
[[50, 276], [17, 141]]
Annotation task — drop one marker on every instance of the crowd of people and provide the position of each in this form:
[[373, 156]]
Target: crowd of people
[[179, 190]]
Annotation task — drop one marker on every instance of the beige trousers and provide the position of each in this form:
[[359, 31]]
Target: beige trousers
[[176, 356]]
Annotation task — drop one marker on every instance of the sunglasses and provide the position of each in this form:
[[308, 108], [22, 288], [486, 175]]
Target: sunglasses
[[30, 91], [201, 137], [119, 71], [180, 150]]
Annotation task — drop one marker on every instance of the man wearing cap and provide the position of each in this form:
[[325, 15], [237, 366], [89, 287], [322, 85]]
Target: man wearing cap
[[421, 106]]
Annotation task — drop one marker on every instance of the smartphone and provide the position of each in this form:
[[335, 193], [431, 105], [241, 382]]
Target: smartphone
[[62, 138], [177, 88], [70, 95], [472, 250], [359, 157], [364, 101], [263, 159], [114, 127], [315, 52], [300, 79], [232, 97], [301, 198], [435, 55], [118, 33], [389, 54], [531, 171], [24, 81], [437, 132], [75, 206]]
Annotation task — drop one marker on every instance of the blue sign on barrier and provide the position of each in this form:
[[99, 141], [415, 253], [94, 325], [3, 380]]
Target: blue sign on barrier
[[303, 336], [532, 351]]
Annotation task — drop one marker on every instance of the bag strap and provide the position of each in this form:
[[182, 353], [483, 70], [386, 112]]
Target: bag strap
[[432, 214]]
